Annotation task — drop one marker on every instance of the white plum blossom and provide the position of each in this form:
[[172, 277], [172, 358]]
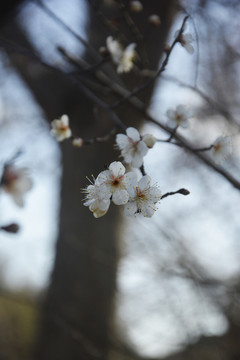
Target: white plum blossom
[[185, 40], [221, 149], [61, 129], [123, 58], [97, 199], [132, 148], [178, 117], [142, 197], [114, 182], [16, 182]]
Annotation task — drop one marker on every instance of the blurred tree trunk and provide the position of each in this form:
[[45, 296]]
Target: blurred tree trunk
[[79, 303]]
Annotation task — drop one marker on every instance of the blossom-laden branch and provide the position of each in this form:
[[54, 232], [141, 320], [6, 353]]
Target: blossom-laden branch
[[135, 102], [137, 194], [180, 191]]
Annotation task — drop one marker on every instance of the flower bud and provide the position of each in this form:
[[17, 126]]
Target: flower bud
[[11, 228], [149, 140], [136, 6], [154, 20], [103, 51], [77, 142]]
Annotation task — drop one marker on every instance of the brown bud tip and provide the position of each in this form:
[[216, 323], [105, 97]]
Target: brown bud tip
[[184, 191], [11, 228], [103, 51]]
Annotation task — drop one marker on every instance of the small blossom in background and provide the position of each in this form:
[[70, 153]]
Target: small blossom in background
[[186, 41], [77, 142], [154, 20], [123, 58], [132, 148], [61, 129], [221, 149], [178, 117], [115, 49], [129, 55], [16, 182], [135, 6], [142, 197]]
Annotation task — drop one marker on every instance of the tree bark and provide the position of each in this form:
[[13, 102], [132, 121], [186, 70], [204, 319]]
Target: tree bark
[[79, 303]]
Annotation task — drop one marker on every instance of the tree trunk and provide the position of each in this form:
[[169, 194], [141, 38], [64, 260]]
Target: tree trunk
[[79, 302]]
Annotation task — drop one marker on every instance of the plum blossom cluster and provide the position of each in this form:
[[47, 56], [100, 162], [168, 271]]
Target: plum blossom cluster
[[122, 188]]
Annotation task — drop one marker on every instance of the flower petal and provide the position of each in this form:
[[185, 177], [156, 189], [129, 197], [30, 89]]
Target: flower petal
[[137, 160], [65, 120], [148, 210], [103, 177], [144, 183], [120, 197], [117, 168], [142, 148], [122, 141], [131, 183], [133, 134], [130, 208]]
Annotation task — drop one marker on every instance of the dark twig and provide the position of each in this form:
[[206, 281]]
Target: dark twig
[[46, 9], [142, 169], [100, 138], [180, 191], [213, 103], [10, 228], [143, 86], [135, 102], [8, 46]]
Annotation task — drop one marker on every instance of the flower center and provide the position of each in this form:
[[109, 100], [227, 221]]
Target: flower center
[[140, 194], [134, 143], [116, 181], [217, 147], [63, 128]]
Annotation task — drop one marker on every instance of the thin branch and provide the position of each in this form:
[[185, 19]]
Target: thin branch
[[143, 86], [180, 191], [99, 139], [213, 103], [135, 102], [8, 46], [50, 13]]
